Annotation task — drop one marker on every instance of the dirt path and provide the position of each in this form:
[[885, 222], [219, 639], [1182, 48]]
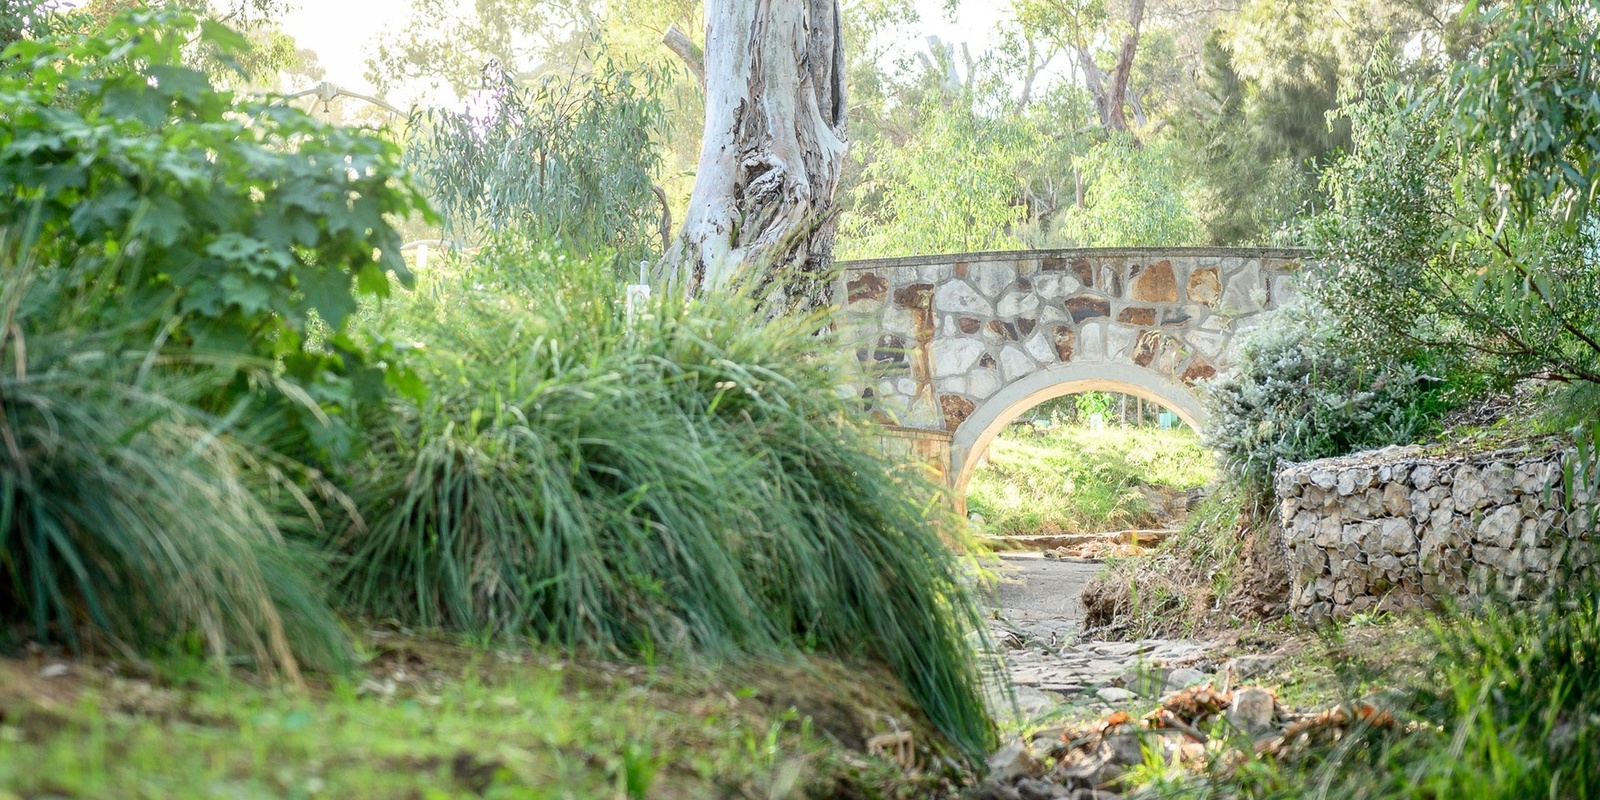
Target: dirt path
[[1035, 587], [1039, 626]]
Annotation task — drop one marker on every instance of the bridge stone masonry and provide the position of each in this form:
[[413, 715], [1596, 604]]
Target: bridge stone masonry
[[958, 345]]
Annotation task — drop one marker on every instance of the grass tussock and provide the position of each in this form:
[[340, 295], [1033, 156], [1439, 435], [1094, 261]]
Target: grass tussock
[[684, 483], [131, 518], [1071, 479]]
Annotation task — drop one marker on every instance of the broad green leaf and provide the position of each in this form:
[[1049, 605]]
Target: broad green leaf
[[327, 290]]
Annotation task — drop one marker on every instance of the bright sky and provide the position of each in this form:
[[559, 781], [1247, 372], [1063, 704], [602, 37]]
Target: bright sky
[[342, 31]]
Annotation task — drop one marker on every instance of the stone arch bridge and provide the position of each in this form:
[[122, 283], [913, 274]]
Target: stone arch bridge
[[959, 345]]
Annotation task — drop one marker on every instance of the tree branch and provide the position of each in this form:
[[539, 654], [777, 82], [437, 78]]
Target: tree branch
[[666, 217], [1490, 321], [1549, 303], [1117, 93], [679, 43]]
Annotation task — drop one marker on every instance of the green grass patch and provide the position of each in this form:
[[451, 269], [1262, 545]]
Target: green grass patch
[[1070, 479], [429, 720]]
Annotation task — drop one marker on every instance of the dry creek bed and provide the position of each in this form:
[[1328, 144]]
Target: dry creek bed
[[1077, 696]]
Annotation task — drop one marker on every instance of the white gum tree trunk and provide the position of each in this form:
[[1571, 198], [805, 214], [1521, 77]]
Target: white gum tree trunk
[[771, 155]]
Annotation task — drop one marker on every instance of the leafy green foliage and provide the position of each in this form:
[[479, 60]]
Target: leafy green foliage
[[1437, 239], [1256, 149], [684, 483], [1266, 116], [908, 200], [20, 18], [1294, 394], [445, 45], [126, 510], [1091, 403], [1134, 197], [570, 157], [1530, 107], [256, 222], [972, 175]]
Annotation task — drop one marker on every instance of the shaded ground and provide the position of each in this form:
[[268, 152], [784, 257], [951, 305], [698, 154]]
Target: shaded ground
[[427, 718], [1037, 588]]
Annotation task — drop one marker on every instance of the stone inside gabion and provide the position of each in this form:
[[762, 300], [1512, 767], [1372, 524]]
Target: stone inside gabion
[[1395, 528]]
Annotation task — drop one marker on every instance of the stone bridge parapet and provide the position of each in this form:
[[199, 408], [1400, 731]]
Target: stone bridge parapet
[[960, 344]]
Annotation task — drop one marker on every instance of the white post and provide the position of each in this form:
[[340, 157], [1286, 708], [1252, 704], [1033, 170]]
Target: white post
[[636, 295]]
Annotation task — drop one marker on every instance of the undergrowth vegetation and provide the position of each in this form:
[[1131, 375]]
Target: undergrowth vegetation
[[129, 516], [209, 419], [230, 223], [1294, 393], [1072, 479], [678, 482], [1223, 566]]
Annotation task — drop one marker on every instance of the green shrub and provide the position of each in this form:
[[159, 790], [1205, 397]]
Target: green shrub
[[1294, 393], [179, 268], [126, 511], [689, 483], [1463, 217], [258, 224]]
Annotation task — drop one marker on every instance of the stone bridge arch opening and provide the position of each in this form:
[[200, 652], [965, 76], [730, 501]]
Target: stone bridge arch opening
[[972, 438]]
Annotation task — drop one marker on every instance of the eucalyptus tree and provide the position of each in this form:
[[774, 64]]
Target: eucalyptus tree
[[958, 185], [1134, 58], [1077, 27], [771, 154], [445, 46], [568, 156]]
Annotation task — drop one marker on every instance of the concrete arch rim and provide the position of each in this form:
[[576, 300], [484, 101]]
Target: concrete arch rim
[[991, 416]]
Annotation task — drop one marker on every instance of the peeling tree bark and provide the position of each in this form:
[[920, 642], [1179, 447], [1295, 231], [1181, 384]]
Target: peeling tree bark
[[771, 155]]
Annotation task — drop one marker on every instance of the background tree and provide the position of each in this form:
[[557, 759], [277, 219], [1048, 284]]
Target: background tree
[[1136, 197], [1102, 42], [444, 48], [1265, 119], [567, 157], [908, 200], [20, 18]]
